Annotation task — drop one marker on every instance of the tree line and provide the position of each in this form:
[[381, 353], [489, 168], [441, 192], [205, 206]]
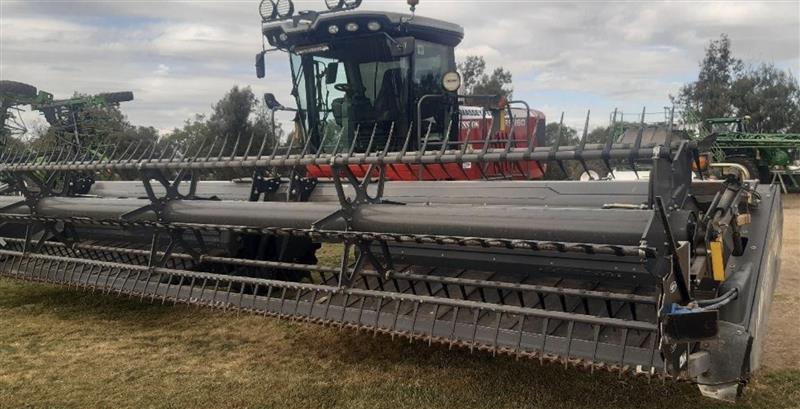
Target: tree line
[[725, 86]]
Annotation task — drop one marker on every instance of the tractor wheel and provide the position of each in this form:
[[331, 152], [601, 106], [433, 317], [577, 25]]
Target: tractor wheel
[[16, 89], [117, 97], [748, 163], [597, 171]]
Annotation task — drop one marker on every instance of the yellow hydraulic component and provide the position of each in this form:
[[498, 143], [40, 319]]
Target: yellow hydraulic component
[[717, 262], [502, 105], [503, 121], [743, 219]]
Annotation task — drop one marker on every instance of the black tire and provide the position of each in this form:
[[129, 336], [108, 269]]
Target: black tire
[[594, 166], [16, 89], [117, 97], [748, 163]]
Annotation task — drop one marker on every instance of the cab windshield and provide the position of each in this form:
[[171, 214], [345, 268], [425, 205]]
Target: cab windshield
[[347, 94], [357, 92]]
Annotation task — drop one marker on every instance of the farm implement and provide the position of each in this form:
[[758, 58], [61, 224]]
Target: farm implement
[[443, 233], [758, 152]]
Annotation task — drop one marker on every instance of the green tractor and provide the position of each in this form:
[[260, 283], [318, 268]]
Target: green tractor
[[758, 152], [13, 96], [68, 117], [73, 125]]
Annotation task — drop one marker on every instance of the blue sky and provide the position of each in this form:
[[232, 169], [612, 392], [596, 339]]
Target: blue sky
[[179, 57]]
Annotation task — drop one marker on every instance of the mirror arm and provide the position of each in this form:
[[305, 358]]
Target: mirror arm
[[392, 40]]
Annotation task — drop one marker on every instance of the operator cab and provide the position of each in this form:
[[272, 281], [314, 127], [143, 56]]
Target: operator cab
[[727, 125], [359, 76]]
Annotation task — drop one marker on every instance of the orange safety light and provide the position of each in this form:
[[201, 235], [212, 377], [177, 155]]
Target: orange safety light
[[703, 163]]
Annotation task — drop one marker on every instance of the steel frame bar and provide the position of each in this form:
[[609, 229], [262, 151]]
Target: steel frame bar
[[490, 155], [641, 251]]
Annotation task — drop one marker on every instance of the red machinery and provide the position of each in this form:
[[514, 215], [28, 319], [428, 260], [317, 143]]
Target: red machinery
[[476, 125]]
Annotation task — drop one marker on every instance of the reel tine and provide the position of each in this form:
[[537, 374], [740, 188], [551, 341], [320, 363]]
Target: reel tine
[[545, 330], [582, 145], [222, 148], [211, 148], [595, 344], [475, 317], [453, 326], [202, 291], [236, 146], [263, 146], [497, 323], [178, 290], [268, 297], [249, 145]]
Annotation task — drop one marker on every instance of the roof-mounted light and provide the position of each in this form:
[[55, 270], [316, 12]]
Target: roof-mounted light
[[351, 27], [333, 29], [374, 26], [267, 10], [274, 9], [284, 8], [335, 5]]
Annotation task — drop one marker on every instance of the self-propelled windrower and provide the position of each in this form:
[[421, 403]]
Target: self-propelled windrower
[[670, 277]]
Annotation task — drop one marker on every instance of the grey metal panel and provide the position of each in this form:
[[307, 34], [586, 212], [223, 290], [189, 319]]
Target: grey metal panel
[[525, 193], [610, 226]]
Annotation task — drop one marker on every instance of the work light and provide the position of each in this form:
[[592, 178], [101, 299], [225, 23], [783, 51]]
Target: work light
[[266, 9], [342, 4], [285, 8], [351, 4], [334, 4]]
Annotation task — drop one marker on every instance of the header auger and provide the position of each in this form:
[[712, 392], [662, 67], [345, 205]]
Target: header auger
[[669, 277]]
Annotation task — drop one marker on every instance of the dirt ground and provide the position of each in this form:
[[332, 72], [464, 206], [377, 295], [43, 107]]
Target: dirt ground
[[61, 348], [783, 347]]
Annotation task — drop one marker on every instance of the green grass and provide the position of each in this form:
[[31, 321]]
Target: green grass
[[66, 348]]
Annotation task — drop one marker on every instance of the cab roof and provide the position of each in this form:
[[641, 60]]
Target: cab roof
[[311, 27]]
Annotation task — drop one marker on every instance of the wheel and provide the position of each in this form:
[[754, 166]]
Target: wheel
[[597, 171], [16, 89], [591, 175], [748, 163], [117, 97]]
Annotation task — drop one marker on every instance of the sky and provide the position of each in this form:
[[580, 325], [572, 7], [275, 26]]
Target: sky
[[179, 57]]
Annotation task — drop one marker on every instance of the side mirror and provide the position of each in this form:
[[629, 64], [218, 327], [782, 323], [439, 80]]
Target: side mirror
[[401, 47], [332, 73], [261, 65], [272, 103]]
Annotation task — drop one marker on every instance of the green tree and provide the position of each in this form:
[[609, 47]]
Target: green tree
[[725, 87], [475, 80], [231, 115], [770, 96], [711, 95], [101, 130], [564, 134], [237, 121], [471, 69]]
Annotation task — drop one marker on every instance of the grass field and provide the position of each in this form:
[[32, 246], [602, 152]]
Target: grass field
[[66, 349]]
